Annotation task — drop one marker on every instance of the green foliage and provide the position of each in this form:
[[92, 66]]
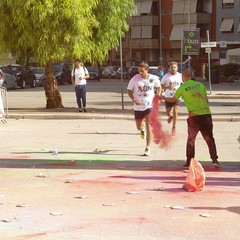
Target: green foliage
[[53, 30], [229, 69], [224, 70]]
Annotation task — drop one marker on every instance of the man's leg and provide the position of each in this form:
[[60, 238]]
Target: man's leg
[[148, 132], [83, 95], [207, 133], [78, 97], [175, 118], [193, 129]]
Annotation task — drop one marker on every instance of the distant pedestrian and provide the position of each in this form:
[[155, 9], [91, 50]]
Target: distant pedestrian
[[171, 81], [160, 73], [194, 95], [141, 90], [79, 76]]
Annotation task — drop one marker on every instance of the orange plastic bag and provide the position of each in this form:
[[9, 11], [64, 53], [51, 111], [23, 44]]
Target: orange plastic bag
[[195, 180]]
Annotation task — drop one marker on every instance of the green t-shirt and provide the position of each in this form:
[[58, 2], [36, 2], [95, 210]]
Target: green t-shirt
[[194, 95]]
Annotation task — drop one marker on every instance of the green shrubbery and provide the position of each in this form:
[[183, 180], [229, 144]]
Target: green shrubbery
[[224, 70]]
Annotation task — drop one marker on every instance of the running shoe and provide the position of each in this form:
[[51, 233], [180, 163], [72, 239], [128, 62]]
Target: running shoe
[[186, 165], [215, 163], [147, 151], [174, 131]]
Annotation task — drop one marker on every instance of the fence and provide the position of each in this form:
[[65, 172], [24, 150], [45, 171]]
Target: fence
[[3, 104]]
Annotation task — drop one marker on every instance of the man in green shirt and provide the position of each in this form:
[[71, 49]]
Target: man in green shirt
[[194, 95]]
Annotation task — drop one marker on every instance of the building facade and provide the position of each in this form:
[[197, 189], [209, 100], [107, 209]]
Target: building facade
[[156, 31]]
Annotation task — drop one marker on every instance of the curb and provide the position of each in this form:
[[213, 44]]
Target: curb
[[218, 118]]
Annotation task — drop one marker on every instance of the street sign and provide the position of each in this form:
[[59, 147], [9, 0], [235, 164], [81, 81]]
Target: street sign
[[208, 50], [208, 44], [191, 40]]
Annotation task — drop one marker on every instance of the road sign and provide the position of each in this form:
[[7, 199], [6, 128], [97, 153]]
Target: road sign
[[208, 44], [191, 40], [208, 50]]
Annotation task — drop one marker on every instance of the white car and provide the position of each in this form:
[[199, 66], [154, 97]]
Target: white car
[[110, 72], [7, 79]]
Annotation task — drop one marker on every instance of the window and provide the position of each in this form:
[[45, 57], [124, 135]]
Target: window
[[227, 25], [163, 12], [227, 3], [143, 8], [141, 32]]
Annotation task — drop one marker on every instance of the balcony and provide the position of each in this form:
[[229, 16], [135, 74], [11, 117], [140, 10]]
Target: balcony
[[144, 20], [144, 43], [195, 18]]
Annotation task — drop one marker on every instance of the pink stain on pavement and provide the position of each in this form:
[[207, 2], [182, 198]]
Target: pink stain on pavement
[[161, 138]]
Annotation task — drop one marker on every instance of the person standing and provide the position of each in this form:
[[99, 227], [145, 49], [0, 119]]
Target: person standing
[[79, 76], [194, 95], [171, 81], [141, 89]]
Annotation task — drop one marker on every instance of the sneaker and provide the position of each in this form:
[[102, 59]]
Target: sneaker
[[170, 119], [215, 164], [80, 110], [142, 134], [186, 165], [85, 110], [146, 151], [174, 131]]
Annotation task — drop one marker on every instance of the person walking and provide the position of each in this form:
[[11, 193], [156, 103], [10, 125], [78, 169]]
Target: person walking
[[141, 89], [79, 76], [194, 95], [171, 81]]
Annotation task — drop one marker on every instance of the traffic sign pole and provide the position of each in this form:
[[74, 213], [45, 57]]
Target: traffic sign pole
[[209, 65]]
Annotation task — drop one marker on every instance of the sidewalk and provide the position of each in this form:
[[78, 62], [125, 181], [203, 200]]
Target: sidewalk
[[224, 104]]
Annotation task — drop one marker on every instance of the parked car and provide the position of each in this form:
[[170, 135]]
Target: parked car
[[110, 72], [23, 75], [62, 73], [153, 70], [40, 76], [132, 71], [184, 66], [94, 72], [124, 72], [7, 79]]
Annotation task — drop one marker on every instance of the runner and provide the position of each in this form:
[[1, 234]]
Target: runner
[[141, 90]]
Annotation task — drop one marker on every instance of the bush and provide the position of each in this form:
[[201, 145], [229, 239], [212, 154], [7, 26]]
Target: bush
[[230, 69], [226, 70]]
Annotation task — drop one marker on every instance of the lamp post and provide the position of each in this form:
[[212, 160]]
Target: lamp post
[[121, 66]]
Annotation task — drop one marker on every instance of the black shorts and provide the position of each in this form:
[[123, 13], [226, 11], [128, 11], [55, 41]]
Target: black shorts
[[139, 115], [171, 104]]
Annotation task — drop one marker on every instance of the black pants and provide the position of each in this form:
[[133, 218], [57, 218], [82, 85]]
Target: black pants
[[202, 123]]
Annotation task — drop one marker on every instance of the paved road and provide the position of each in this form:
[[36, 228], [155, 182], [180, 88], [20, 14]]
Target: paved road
[[105, 100], [85, 178]]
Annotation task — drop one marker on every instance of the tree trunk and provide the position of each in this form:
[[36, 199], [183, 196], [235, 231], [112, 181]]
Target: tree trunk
[[53, 96]]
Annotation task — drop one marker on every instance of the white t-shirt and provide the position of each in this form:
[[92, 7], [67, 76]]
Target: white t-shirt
[[80, 72], [143, 89], [175, 79]]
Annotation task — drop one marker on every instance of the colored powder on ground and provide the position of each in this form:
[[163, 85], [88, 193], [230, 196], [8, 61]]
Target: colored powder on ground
[[161, 138]]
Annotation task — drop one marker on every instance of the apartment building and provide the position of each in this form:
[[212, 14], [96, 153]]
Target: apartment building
[[228, 30], [156, 31]]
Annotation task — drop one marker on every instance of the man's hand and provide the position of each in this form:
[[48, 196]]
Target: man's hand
[[137, 101]]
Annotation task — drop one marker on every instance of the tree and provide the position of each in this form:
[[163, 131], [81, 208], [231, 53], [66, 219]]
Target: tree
[[54, 30]]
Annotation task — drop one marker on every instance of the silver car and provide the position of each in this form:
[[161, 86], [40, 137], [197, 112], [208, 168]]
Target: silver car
[[7, 79]]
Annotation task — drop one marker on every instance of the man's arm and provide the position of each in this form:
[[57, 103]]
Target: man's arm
[[169, 99], [159, 90], [130, 94]]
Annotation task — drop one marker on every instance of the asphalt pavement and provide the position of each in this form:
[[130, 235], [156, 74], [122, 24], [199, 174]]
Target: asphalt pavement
[[70, 175]]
